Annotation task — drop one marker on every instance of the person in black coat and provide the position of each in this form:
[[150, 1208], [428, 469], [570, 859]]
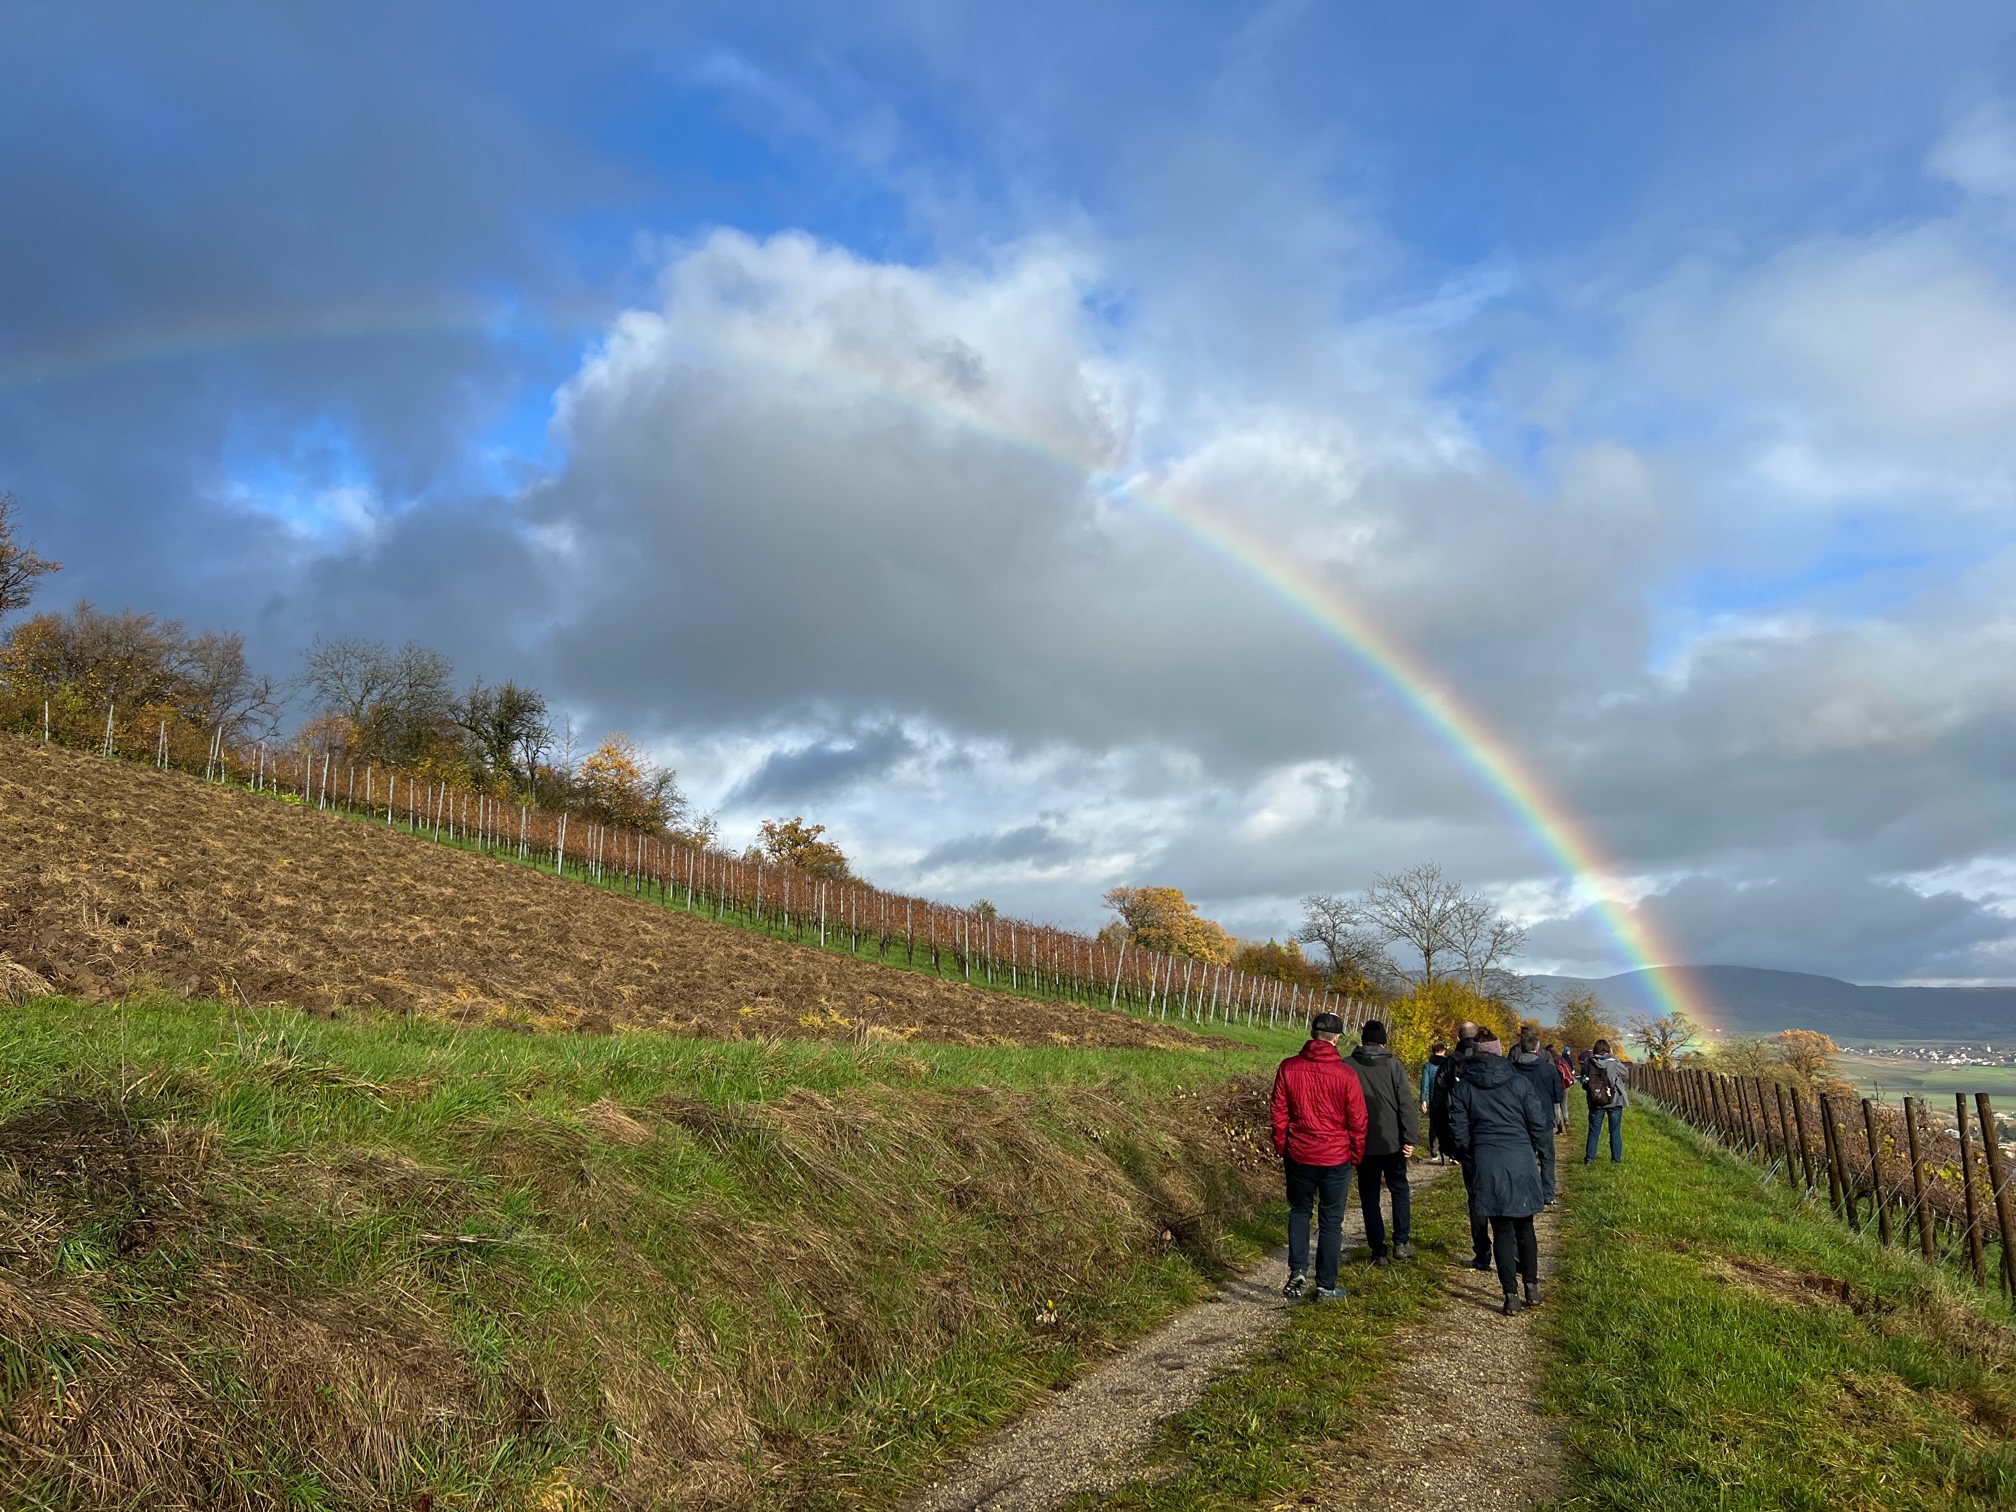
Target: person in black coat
[[1446, 1082], [1499, 1117]]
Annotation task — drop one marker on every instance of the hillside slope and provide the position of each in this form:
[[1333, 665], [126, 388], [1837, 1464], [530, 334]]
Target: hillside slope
[[249, 1260], [114, 875], [1752, 1000]]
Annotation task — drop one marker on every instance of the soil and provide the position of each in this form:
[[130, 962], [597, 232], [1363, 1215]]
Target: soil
[[1090, 1438], [1462, 1429], [116, 877]]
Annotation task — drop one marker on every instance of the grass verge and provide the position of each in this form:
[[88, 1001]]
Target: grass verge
[[252, 1259], [1723, 1344], [1264, 1431]]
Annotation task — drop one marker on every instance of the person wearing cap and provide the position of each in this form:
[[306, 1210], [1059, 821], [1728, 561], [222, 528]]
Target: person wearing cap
[[1390, 1130], [1319, 1133]]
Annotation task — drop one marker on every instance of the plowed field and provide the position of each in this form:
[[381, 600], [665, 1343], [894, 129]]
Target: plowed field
[[115, 876]]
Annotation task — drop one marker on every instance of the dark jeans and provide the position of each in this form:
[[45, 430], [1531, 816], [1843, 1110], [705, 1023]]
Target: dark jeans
[[1305, 1184], [1518, 1251], [1391, 1169], [1480, 1226], [1596, 1119]]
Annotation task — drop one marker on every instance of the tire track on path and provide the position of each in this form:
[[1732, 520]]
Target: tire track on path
[[1465, 1371], [1093, 1436]]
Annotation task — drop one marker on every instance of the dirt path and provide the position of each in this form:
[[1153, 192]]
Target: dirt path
[[1092, 1436], [1464, 1396]]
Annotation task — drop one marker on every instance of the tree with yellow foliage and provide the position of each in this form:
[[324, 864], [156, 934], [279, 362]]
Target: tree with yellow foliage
[[619, 786], [793, 842], [1163, 920], [1282, 963], [1434, 1011]]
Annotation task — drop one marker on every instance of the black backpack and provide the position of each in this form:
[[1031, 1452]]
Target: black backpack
[[1602, 1090]]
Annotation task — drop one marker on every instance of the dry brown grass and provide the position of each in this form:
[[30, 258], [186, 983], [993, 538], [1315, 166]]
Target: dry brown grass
[[114, 875], [743, 1342]]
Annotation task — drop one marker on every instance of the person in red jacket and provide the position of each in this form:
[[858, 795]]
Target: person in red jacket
[[1319, 1133]]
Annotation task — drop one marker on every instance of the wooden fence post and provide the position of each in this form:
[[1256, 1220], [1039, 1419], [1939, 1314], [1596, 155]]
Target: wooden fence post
[[1839, 1177], [1967, 1189], [1876, 1170], [1918, 1177], [1991, 1146], [1805, 1147]]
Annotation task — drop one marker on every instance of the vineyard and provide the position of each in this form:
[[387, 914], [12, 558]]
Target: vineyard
[[851, 918], [1911, 1176]]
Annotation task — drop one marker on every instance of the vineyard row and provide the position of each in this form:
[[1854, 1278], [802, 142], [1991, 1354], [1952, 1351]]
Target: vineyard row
[[1015, 955], [1901, 1172]]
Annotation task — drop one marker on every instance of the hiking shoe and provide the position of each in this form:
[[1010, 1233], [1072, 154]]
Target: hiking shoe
[[1512, 1303], [1382, 1259], [1532, 1293], [1327, 1294], [1482, 1262], [1404, 1250], [1297, 1285]]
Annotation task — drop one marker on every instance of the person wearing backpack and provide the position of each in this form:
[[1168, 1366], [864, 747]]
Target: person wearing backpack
[[1603, 1081]]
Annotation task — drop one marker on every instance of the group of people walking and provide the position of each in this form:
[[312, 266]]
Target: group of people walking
[[1495, 1114]]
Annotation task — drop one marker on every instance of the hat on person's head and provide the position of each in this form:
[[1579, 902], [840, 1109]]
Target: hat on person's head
[[1326, 1023], [1488, 1043], [1374, 1033]]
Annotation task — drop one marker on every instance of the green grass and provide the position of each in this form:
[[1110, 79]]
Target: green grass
[[1706, 1355], [347, 1262], [1260, 1434]]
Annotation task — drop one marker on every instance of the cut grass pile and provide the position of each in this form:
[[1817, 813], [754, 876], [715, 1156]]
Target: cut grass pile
[[1722, 1344], [115, 876], [252, 1259]]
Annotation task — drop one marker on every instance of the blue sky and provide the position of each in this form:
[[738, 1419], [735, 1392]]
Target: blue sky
[[1647, 368]]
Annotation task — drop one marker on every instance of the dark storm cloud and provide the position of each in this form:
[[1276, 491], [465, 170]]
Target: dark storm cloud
[[1032, 843], [797, 774]]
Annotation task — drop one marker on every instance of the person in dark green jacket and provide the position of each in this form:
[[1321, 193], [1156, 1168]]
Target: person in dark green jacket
[[1391, 1127]]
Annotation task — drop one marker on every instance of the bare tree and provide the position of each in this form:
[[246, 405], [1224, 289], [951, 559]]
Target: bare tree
[[396, 703], [1355, 952], [20, 565], [1483, 940], [222, 689], [1418, 908]]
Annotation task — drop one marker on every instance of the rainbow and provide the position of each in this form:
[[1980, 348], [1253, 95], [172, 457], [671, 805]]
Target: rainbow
[[1507, 776], [1501, 770]]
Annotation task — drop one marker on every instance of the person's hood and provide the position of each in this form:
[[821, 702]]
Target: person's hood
[[1527, 1057], [1607, 1059], [1320, 1050], [1439, 1060], [1489, 1071], [1371, 1054]]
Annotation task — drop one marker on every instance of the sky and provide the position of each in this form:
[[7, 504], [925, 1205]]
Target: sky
[[817, 394]]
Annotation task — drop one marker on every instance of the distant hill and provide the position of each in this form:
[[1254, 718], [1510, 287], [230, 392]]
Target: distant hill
[[1750, 1000]]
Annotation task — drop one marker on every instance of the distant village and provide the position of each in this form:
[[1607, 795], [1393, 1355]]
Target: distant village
[[1941, 1054]]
